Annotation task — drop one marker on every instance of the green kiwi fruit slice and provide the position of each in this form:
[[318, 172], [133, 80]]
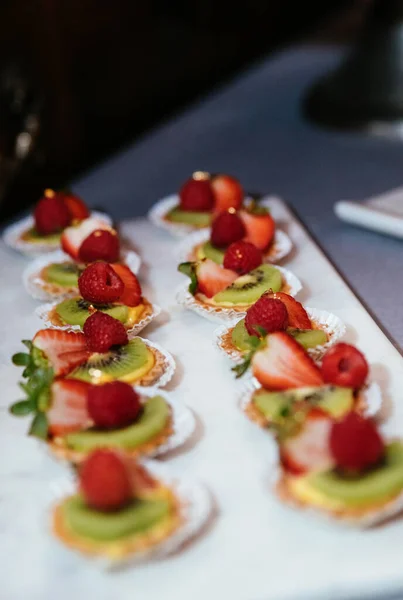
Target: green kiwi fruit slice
[[248, 288], [207, 250], [63, 274], [136, 517], [75, 311], [198, 219], [240, 336], [308, 338], [118, 363], [151, 421], [275, 406]]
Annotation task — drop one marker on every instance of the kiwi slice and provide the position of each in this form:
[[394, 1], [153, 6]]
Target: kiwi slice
[[118, 363], [75, 311], [240, 336], [248, 288], [188, 217], [64, 274], [207, 250], [308, 338], [32, 235]]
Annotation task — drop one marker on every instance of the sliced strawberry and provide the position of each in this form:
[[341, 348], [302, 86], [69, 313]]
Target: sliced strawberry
[[77, 207], [260, 228], [68, 411], [73, 236], [297, 315], [132, 293], [207, 277], [65, 350], [309, 449], [284, 364]]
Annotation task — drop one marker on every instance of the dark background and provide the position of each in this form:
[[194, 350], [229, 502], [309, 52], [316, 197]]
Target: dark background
[[81, 78]]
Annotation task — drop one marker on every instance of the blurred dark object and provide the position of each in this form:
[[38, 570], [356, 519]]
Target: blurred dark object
[[108, 71], [366, 90]]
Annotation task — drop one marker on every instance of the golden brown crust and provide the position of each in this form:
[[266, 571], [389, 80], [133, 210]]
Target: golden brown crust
[[156, 372], [120, 549], [255, 415], [61, 451], [284, 492], [55, 320]]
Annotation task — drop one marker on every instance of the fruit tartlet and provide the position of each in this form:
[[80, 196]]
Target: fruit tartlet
[[219, 293], [342, 468], [76, 417], [287, 382], [123, 511], [41, 232], [316, 330], [103, 353], [55, 276], [112, 289], [222, 243]]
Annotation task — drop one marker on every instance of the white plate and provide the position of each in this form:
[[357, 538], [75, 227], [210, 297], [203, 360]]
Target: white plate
[[282, 245], [36, 286], [186, 299], [12, 235], [195, 509], [328, 322]]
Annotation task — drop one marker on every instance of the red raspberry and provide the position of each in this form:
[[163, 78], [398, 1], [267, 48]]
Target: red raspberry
[[355, 443], [345, 366], [51, 215], [227, 228], [268, 313], [103, 331], [112, 405], [105, 481], [101, 244], [196, 195], [99, 283], [78, 209], [242, 257]]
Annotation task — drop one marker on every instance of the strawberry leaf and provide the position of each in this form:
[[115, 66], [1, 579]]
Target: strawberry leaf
[[21, 359], [188, 268], [39, 426], [28, 344], [21, 408], [240, 369]]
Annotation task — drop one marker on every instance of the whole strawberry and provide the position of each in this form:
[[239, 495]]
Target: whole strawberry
[[196, 194], [51, 215], [242, 257], [113, 405], [345, 365], [101, 244], [355, 443], [268, 314], [103, 331], [100, 284], [105, 481], [227, 228]]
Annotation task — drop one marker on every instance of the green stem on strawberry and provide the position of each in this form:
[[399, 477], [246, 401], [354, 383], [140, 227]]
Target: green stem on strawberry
[[188, 268], [256, 343]]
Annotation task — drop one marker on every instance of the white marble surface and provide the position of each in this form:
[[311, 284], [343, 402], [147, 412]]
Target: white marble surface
[[256, 549]]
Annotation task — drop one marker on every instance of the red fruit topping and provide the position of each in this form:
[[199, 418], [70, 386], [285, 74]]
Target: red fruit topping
[[345, 366], [51, 215], [73, 236], [259, 228], [68, 410], [227, 228], [228, 192], [267, 313], [242, 257], [105, 481], [99, 284], [101, 244], [211, 278], [65, 350], [355, 443], [77, 208], [112, 405], [132, 294], [103, 331], [308, 450], [297, 315], [196, 194], [284, 364]]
